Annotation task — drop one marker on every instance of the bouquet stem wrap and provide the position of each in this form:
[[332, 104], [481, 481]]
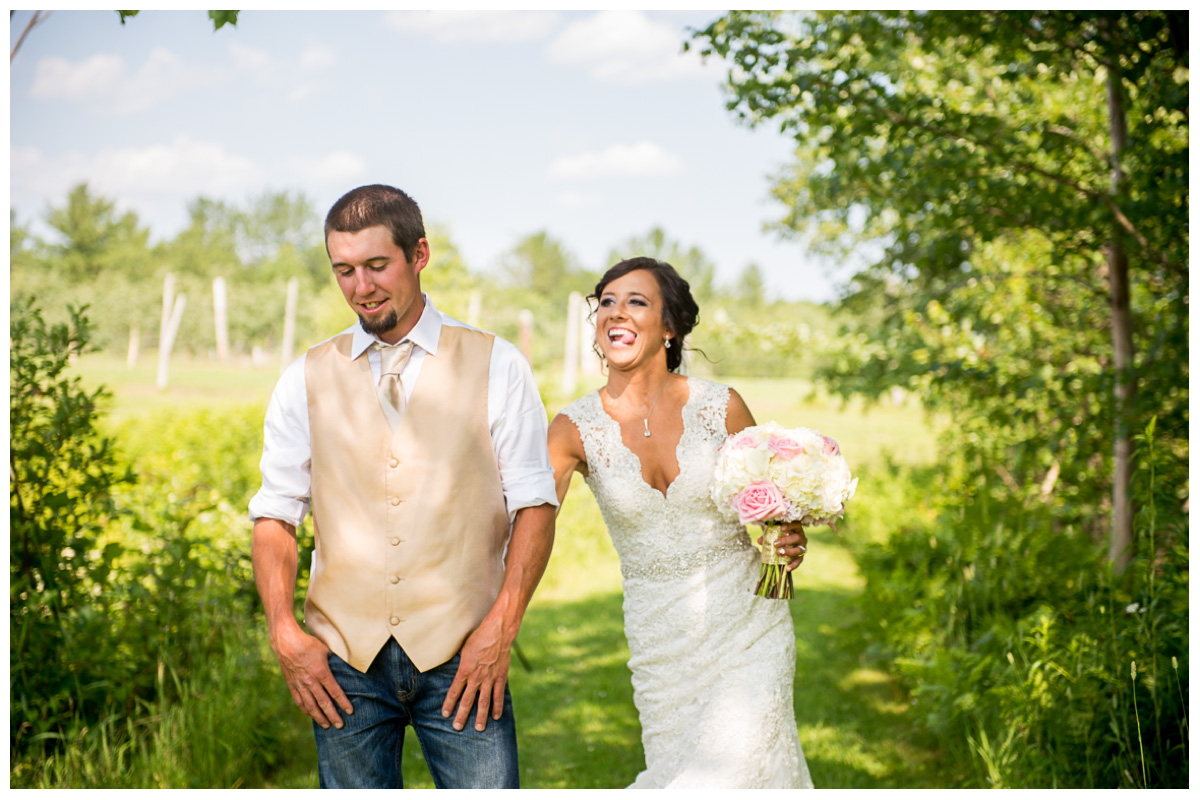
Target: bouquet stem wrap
[[774, 580]]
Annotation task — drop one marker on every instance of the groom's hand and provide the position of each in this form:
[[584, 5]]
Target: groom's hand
[[483, 673], [304, 660]]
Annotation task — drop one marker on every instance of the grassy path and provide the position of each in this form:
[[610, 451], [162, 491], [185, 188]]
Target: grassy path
[[855, 723], [577, 726]]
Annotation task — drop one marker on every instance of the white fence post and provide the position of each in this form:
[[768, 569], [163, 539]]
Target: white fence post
[[589, 360], [525, 337], [221, 319], [135, 343], [473, 309], [167, 340], [571, 351], [289, 324]]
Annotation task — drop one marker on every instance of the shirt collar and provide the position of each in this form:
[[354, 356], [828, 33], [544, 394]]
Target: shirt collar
[[425, 333]]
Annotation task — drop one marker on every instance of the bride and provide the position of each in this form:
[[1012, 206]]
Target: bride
[[712, 663]]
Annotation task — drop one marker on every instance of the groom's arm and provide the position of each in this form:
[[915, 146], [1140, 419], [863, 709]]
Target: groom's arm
[[486, 654], [303, 658]]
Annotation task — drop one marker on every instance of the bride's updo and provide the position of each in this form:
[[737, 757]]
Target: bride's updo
[[679, 310]]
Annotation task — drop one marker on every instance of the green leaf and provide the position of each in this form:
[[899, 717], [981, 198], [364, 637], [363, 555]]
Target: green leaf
[[220, 18]]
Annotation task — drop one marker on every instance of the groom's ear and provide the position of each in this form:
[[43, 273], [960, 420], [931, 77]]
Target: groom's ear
[[421, 256]]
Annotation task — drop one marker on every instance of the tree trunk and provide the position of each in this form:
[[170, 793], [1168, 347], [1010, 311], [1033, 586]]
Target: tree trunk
[[1120, 549]]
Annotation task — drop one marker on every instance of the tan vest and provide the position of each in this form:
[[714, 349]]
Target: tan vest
[[410, 525]]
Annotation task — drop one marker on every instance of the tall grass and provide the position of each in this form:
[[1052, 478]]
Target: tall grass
[[220, 725], [1016, 639]]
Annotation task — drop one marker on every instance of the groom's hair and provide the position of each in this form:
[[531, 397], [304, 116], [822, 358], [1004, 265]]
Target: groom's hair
[[679, 311], [368, 206]]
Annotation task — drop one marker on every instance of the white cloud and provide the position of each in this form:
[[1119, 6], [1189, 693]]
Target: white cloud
[[104, 84], [337, 168], [156, 182], [299, 79], [626, 47], [475, 26], [249, 58], [576, 199], [318, 58], [59, 79], [642, 158]]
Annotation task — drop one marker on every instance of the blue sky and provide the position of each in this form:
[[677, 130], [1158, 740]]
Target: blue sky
[[592, 126]]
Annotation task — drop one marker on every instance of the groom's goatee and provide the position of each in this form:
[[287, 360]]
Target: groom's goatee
[[379, 326]]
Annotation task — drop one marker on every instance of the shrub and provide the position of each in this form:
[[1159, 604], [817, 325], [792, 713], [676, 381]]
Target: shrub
[[126, 595], [1017, 639]]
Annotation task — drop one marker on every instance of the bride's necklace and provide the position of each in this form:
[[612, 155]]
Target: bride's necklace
[[646, 419]]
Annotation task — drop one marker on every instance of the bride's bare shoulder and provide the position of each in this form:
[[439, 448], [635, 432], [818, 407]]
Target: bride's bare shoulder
[[737, 413], [564, 441]]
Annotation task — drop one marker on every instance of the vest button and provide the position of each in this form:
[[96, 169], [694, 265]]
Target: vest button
[[395, 579], [395, 462], [395, 620], [396, 501], [396, 540]]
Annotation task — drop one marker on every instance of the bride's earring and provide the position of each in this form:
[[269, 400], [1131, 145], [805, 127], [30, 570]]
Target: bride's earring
[[667, 339]]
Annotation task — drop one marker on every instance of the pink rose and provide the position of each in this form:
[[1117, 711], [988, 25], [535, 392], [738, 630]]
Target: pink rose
[[785, 446], [830, 447], [742, 441], [759, 501]]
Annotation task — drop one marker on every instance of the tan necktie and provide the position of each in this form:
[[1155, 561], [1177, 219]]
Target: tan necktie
[[391, 389]]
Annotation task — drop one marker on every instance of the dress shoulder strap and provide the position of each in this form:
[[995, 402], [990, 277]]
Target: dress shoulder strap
[[588, 416], [709, 406]]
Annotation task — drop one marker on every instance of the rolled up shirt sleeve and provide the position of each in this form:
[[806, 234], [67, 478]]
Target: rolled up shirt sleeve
[[286, 464], [518, 426]]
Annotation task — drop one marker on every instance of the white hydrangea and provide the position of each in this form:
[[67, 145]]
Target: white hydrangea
[[807, 468]]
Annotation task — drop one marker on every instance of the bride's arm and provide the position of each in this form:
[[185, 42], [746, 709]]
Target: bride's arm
[[566, 454]]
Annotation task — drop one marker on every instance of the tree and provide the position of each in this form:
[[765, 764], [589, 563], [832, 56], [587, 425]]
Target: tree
[[691, 263], [37, 18], [541, 264], [207, 247], [934, 134], [219, 19], [96, 240], [750, 289], [61, 476]]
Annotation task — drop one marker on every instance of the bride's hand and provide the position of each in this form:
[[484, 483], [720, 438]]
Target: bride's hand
[[792, 543]]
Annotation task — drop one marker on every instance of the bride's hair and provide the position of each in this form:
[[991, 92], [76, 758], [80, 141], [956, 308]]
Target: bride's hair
[[679, 311]]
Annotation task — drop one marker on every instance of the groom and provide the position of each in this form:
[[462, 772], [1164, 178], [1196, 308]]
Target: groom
[[420, 446]]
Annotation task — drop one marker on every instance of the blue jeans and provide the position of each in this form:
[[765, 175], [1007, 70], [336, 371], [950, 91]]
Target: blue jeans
[[393, 694]]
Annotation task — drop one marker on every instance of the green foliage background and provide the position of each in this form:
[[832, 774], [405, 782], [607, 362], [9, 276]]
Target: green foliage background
[[966, 160], [992, 161]]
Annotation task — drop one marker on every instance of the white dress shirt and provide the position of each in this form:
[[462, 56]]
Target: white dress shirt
[[516, 418]]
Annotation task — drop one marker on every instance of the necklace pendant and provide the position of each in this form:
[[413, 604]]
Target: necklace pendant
[[646, 423]]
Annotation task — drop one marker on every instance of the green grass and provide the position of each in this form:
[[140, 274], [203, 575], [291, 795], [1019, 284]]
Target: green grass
[[191, 384], [577, 727]]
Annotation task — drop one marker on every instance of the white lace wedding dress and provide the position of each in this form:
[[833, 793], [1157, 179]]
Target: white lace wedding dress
[[712, 663]]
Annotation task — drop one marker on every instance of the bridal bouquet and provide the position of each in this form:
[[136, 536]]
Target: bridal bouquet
[[768, 474]]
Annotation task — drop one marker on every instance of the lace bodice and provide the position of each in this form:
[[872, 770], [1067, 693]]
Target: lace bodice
[[712, 663], [640, 518]]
